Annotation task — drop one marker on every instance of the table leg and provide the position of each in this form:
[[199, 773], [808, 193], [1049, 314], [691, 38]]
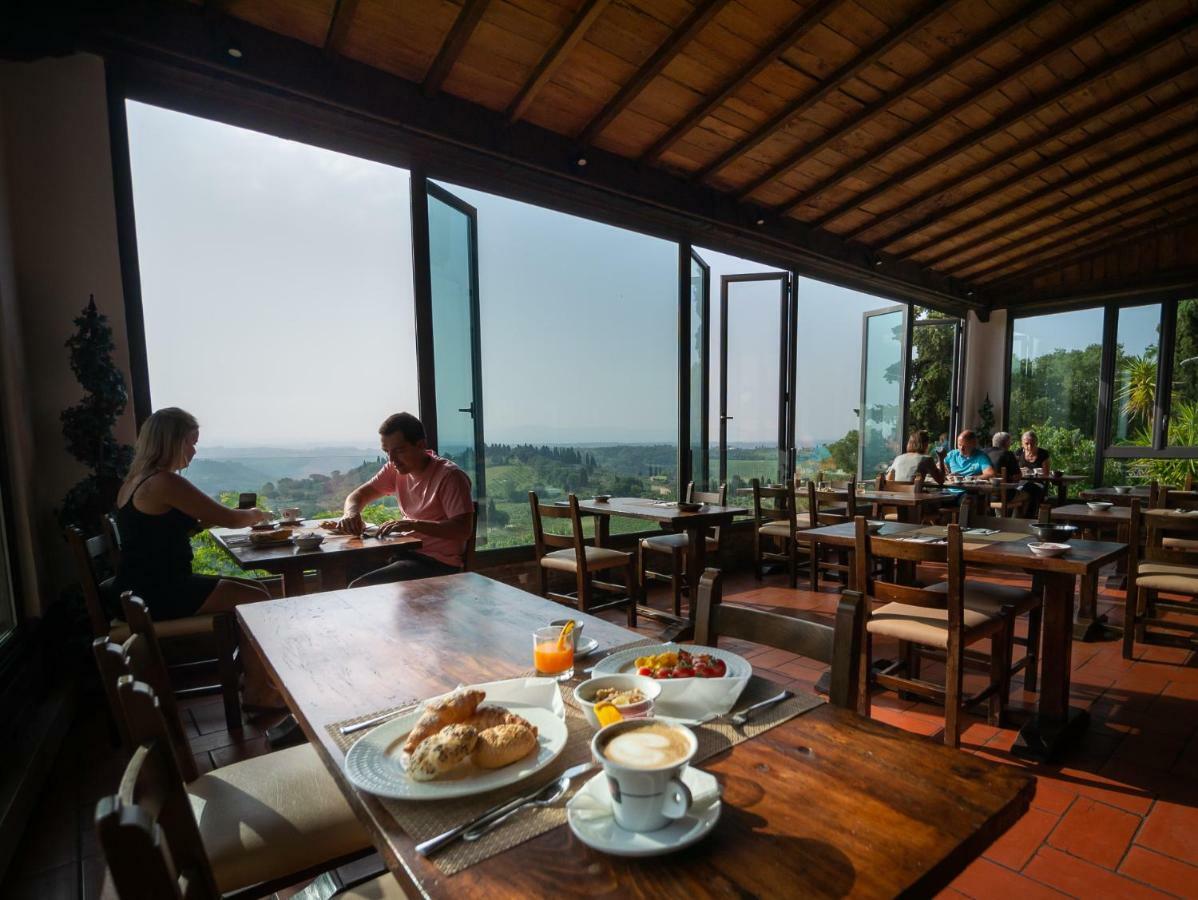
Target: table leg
[[1089, 625], [1054, 725], [293, 581]]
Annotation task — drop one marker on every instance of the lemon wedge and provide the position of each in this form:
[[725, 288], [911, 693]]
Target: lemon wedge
[[607, 714], [561, 638]]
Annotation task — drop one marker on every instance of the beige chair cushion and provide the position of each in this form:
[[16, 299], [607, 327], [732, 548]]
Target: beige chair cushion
[[1159, 576], [385, 887], [272, 815], [919, 624], [192, 626], [597, 558], [775, 529], [678, 541], [891, 516], [990, 599]]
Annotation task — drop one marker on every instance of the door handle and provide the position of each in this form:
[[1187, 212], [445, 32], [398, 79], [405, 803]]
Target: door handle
[[467, 409], [726, 418]]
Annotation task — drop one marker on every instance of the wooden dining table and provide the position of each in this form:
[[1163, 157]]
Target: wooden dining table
[[1055, 725], [1090, 625], [825, 804], [667, 515], [1060, 482], [332, 559]]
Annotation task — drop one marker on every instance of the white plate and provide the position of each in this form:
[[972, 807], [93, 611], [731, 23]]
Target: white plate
[[376, 762], [604, 835]]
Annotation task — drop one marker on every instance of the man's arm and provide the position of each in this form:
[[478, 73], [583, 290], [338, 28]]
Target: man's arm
[[458, 528], [351, 512]]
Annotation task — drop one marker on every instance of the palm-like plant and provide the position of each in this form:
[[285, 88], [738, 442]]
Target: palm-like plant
[[1137, 391]]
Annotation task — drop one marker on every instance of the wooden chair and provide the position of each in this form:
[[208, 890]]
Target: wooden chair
[[259, 825], [839, 646], [826, 508], [891, 513], [1160, 567], [114, 540], [1010, 502], [186, 643], [989, 597], [676, 545], [920, 617], [775, 524], [580, 559], [468, 551]]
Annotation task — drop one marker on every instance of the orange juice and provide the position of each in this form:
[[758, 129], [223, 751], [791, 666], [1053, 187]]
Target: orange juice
[[550, 659]]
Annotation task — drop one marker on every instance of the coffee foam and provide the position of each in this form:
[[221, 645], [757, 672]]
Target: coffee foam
[[651, 747]]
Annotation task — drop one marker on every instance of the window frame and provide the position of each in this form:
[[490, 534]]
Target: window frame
[[1104, 449]]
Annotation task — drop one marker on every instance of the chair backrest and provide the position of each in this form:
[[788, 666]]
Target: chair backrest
[[870, 547], [838, 645], [148, 664], [1149, 528], [1009, 498], [148, 832], [114, 539], [86, 551], [900, 487], [1171, 498], [718, 498], [969, 517], [817, 499], [543, 539], [468, 551], [773, 504]]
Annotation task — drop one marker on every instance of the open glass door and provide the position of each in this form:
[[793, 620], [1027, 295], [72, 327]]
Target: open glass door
[[700, 341], [933, 382], [753, 379], [885, 335], [457, 354]]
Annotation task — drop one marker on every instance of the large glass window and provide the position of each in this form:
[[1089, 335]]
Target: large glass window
[[579, 325], [1055, 367], [1183, 409], [1137, 340], [276, 290], [931, 375]]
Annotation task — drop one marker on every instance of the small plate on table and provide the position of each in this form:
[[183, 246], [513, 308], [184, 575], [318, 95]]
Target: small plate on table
[[586, 647], [1099, 505], [376, 763], [1048, 549]]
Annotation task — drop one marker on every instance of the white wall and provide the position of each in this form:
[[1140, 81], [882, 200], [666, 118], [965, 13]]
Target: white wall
[[58, 169], [985, 349]]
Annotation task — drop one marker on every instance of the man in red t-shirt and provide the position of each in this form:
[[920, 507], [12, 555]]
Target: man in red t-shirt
[[433, 495]]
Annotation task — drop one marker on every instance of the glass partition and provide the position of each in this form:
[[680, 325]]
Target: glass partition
[[700, 306], [1183, 408], [1137, 338], [882, 390]]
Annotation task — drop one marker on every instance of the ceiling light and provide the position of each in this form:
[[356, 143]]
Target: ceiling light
[[582, 160], [234, 52], [761, 221]]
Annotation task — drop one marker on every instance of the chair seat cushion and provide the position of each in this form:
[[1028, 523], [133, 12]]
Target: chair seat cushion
[[775, 529], [385, 887], [678, 541], [190, 626], [597, 558], [1158, 576], [1179, 543], [891, 516], [988, 598], [919, 624], [272, 815]]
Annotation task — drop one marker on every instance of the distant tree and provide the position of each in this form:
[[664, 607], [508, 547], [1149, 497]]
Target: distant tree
[[844, 452]]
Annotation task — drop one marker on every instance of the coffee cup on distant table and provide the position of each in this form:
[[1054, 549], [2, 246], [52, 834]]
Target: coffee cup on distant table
[[643, 761], [290, 514]]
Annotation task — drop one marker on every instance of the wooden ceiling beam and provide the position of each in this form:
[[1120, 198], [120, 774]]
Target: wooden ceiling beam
[[794, 110], [1153, 226], [858, 167], [803, 23], [455, 42], [586, 16], [999, 32], [973, 139], [343, 16], [1097, 139], [1147, 201], [992, 226], [700, 17], [1112, 203]]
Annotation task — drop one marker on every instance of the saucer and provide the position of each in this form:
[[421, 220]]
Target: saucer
[[605, 835], [291, 522], [586, 647]]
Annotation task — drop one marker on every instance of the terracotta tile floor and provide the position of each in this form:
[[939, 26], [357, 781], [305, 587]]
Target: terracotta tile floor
[[1117, 818]]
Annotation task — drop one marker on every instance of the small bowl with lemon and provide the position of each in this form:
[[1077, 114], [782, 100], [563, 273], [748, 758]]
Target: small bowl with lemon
[[608, 696]]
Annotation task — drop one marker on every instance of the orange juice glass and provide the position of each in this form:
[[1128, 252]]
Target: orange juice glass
[[551, 654]]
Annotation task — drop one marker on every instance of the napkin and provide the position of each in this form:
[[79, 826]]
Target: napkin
[[699, 699], [542, 692], [981, 531], [593, 802]]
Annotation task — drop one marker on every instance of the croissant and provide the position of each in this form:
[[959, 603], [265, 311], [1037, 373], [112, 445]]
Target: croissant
[[491, 716], [455, 707]]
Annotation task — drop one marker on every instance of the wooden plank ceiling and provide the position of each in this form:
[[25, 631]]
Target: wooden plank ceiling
[[988, 140]]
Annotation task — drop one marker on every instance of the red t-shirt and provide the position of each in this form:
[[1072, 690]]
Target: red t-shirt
[[439, 493]]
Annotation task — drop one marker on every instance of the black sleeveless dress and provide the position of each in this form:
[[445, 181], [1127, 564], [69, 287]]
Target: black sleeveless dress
[[156, 561]]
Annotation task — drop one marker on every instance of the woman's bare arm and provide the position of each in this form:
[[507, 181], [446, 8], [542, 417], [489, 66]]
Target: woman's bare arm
[[177, 491]]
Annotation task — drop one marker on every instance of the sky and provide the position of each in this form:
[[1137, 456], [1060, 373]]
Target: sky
[[277, 292]]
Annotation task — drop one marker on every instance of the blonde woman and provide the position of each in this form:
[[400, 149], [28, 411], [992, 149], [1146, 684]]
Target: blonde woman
[[158, 510]]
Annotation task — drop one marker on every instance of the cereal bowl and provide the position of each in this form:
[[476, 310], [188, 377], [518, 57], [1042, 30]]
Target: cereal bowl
[[584, 695]]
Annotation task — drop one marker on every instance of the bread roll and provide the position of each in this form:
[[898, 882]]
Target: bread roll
[[503, 745], [454, 707], [443, 752]]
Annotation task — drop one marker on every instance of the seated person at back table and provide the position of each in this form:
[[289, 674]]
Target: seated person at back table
[[433, 495], [1002, 459], [967, 460], [1032, 455], [915, 461], [157, 512]]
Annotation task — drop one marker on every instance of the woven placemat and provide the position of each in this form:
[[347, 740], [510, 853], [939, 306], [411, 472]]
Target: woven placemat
[[1000, 537], [424, 820]]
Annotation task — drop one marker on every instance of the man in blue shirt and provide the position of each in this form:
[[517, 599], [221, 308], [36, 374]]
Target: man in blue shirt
[[967, 459]]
